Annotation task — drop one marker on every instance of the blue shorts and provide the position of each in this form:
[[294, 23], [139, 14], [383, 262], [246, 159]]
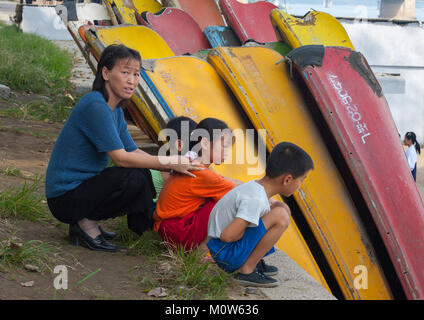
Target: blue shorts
[[230, 256]]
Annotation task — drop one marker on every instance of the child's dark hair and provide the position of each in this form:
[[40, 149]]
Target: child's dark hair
[[205, 129], [412, 136], [108, 59], [288, 158], [181, 129], [176, 124]]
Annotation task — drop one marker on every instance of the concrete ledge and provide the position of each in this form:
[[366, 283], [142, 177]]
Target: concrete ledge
[[295, 283]]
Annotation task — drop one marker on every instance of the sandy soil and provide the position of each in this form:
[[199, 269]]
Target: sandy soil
[[26, 145]]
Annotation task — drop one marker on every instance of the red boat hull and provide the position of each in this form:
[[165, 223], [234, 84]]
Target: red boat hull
[[250, 21], [205, 12], [352, 103], [178, 29]]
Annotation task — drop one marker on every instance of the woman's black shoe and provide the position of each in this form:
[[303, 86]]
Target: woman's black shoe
[[78, 237], [108, 235]]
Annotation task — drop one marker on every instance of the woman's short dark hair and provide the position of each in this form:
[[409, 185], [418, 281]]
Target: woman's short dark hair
[[288, 158], [108, 59]]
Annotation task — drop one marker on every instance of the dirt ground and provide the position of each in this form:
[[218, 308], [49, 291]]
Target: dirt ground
[[30, 154], [26, 145], [28, 150]]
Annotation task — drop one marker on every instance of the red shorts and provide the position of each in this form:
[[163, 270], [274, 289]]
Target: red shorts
[[188, 231]]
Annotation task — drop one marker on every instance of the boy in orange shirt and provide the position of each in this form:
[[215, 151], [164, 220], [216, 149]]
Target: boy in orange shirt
[[180, 127], [184, 204]]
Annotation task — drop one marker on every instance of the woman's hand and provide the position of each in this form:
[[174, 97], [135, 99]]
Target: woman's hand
[[183, 165], [141, 159]]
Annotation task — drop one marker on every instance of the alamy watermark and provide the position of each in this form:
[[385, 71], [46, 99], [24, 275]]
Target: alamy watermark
[[238, 146], [60, 282], [361, 280]]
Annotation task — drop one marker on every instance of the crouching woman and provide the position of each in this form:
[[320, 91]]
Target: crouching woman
[[80, 189]]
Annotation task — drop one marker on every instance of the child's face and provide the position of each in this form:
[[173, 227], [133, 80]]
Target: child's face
[[407, 142], [220, 148], [290, 184]]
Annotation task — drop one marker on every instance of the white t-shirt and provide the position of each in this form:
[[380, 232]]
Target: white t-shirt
[[247, 201], [411, 156]]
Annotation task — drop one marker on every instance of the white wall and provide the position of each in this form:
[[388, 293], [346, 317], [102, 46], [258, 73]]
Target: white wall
[[398, 9], [44, 22], [393, 48]]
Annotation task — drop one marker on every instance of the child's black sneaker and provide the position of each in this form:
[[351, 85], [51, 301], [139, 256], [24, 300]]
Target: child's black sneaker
[[255, 279], [266, 269]]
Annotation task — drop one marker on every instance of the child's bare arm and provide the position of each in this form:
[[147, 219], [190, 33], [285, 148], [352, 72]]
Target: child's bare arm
[[234, 231]]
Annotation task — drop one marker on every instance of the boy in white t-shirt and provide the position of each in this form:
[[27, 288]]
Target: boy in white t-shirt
[[246, 223]]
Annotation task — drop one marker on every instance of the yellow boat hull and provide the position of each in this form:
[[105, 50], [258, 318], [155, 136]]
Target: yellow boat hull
[[272, 101], [315, 28], [150, 46], [147, 42], [191, 87], [147, 5], [125, 10]]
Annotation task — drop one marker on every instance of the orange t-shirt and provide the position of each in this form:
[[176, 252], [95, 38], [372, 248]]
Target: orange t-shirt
[[182, 194]]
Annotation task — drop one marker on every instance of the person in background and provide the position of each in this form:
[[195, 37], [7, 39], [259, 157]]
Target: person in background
[[411, 153]]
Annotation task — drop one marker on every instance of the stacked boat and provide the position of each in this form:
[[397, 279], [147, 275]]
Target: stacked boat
[[358, 220]]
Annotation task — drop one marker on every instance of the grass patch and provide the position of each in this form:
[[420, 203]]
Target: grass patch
[[5, 228], [20, 131], [48, 109], [24, 202], [148, 245], [31, 63], [12, 129], [16, 254], [10, 171], [192, 277], [185, 274]]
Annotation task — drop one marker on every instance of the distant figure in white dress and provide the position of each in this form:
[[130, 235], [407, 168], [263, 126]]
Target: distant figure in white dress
[[411, 153]]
